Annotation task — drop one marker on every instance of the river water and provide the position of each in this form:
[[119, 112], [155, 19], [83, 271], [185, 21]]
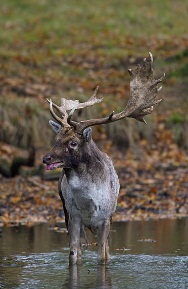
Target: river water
[[144, 255]]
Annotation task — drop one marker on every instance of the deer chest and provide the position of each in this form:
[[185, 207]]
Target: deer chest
[[91, 201]]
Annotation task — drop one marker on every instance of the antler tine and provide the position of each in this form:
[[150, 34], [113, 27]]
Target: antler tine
[[91, 101], [56, 106], [68, 108], [143, 91], [59, 119]]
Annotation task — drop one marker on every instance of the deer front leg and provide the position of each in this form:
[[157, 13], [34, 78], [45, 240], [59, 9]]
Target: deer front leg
[[74, 239], [107, 254], [83, 238], [83, 242], [102, 240]]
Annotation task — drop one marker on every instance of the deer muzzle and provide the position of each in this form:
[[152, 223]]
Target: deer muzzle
[[50, 164]]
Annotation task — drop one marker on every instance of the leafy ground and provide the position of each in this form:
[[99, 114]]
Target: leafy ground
[[67, 49], [153, 186]]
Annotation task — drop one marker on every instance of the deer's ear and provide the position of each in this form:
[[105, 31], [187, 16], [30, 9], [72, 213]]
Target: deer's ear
[[55, 126], [87, 134]]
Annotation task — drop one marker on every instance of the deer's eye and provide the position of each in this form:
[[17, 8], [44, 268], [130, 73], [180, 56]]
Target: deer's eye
[[73, 144]]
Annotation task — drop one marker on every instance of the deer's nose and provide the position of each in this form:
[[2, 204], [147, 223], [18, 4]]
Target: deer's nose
[[46, 159]]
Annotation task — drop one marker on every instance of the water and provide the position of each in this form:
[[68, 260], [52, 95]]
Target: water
[[144, 255]]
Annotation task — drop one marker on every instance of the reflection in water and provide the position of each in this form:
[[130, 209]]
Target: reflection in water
[[37, 258], [49, 270], [102, 278], [73, 277]]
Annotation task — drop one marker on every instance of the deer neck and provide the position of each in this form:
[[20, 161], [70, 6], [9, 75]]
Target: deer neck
[[92, 162]]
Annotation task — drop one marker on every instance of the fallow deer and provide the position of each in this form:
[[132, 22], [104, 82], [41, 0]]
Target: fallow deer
[[89, 185]]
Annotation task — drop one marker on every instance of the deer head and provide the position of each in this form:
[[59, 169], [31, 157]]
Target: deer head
[[73, 137], [71, 145]]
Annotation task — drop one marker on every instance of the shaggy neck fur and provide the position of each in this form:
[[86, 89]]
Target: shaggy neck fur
[[92, 161]]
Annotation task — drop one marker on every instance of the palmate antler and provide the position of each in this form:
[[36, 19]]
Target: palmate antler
[[68, 108], [143, 91]]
